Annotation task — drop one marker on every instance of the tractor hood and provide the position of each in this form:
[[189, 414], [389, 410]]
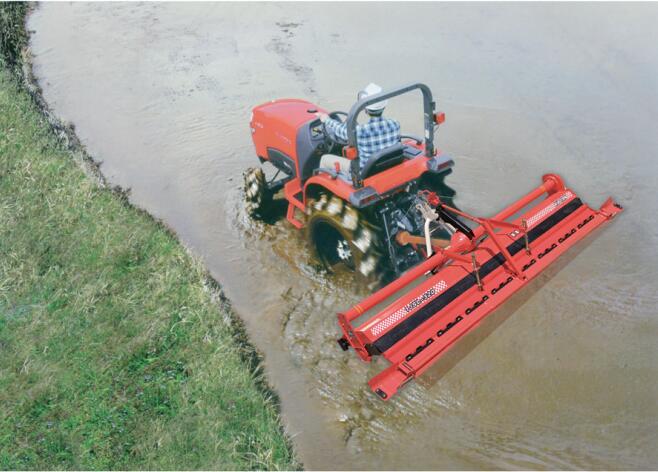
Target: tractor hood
[[275, 124]]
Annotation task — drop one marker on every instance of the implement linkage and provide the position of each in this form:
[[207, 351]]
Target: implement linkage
[[489, 226]]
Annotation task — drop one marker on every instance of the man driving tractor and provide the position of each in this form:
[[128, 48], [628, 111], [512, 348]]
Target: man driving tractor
[[377, 134], [352, 187]]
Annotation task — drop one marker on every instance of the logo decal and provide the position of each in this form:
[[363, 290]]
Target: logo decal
[[408, 308], [549, 208]]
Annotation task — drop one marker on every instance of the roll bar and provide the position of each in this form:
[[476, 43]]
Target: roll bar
[[428, 105], [358, 107]]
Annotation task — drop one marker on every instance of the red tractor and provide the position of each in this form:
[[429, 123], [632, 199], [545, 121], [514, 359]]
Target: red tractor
[[395, 216], [369, 220]]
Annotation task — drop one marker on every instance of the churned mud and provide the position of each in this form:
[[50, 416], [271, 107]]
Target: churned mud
[[564, 376]]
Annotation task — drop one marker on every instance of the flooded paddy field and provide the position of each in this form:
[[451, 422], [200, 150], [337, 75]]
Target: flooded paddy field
[[566, 374]]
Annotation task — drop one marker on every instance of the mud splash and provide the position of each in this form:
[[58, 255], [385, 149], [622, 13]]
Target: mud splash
[[564, 376]]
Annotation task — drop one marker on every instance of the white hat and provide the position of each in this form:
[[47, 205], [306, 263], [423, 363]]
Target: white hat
[[372, 89]]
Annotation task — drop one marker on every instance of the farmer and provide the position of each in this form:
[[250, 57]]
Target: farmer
[[377, 134]]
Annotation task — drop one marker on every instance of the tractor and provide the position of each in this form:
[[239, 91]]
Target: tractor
[[395, 217], [371, 220]]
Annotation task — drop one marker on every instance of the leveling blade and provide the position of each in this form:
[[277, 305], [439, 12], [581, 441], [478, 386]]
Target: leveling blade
[[461, 284]]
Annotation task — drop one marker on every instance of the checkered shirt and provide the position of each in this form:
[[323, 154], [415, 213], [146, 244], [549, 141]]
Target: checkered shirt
[[377, 134]]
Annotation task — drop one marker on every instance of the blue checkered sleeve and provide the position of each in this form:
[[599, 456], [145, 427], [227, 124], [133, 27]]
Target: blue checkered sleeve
[[339, 129]]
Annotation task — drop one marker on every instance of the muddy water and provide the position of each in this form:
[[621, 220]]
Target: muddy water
[[565, 376]]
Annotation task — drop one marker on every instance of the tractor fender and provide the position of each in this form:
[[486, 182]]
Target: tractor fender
[[325, 182]]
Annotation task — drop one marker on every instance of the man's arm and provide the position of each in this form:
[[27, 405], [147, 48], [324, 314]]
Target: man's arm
[[339, 129]]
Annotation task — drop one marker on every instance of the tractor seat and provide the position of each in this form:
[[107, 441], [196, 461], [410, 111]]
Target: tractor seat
[[329, 161], [384, 159], [328, 166], [380, 161]]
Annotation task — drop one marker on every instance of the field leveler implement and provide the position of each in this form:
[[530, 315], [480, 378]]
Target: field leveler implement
[[462, 282]]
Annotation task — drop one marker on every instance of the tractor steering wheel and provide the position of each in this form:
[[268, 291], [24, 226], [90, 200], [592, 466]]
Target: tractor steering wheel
[[330, 135]]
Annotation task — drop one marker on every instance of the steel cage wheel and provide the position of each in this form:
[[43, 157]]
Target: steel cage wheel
[[256, 191], [339, 235]]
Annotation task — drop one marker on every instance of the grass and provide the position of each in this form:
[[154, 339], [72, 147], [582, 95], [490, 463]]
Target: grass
[[115, 353], [13, 36]]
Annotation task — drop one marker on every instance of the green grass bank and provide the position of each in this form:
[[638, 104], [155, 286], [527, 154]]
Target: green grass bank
[[116, 349]]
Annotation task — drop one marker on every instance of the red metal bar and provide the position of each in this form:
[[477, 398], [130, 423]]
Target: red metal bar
[[405, 279], [552, 183]]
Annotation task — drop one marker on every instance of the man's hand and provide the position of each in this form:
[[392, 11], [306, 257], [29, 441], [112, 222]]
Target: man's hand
[[323, 116]]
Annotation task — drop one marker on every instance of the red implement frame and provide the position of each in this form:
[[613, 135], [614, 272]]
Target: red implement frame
[[466, 281]]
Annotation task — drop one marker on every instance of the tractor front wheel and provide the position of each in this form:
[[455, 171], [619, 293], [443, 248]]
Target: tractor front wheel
[[340, 236], [256, 192]]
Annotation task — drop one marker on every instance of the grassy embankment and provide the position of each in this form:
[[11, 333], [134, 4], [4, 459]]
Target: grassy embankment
[[115, 350]]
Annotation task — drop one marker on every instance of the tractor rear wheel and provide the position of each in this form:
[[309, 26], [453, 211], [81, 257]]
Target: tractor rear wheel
[[256, 192], [340, 236]]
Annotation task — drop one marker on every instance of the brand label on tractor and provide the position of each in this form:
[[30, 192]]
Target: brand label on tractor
[[408, 308], [282, 137]]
